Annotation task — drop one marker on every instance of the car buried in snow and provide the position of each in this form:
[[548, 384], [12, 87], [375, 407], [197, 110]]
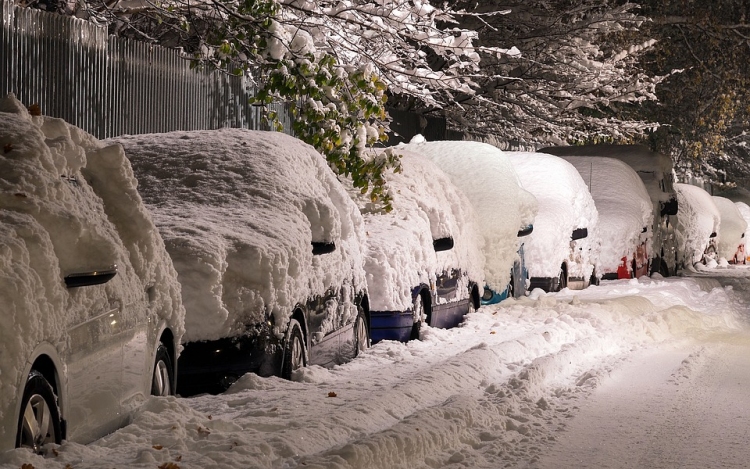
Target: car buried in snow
[[556, 261], [698, 221], [505, 209], [655, 170], [731, 231], [422, 259], [625, 215], [267, 247], [90, 305]]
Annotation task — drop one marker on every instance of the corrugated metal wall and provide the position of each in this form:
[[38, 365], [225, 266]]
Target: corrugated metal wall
[[112, 86]]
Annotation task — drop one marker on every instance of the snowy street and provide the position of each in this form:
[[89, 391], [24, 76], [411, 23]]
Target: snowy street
[[646, 373]]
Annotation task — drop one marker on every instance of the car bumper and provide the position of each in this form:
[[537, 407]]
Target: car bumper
[[391, 325], [212, 366]]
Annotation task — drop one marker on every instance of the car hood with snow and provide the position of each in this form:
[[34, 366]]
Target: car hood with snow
[[565, 205], [238, 210], [624, 207], [698, 222], [487, 178]]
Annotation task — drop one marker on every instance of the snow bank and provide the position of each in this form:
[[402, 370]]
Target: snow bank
[[400, 253], [565, 204], [697, 219], [238, 210], [69, 204], [624, 207], [486, 176], [732, 229]]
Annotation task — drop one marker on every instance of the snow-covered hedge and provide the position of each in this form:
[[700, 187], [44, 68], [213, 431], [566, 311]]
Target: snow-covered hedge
[[624, 207], [69, 204], [487, 178], [238, 210], [400, 253], [565, 204]]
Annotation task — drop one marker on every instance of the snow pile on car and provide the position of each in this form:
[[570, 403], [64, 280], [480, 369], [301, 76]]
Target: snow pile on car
[[565, 204], [486, 176], [238, 210], [744, 211], [697, 219], [400, 252], [732, 228], [624, 207], [68, 204]]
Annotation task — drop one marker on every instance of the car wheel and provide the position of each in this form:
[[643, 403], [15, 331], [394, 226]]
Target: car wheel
[[163, 377], [294, 350], [562, 281], [39, 422], [511, 287], [594, 280], [419, 314], [361, 333], [663, 268]]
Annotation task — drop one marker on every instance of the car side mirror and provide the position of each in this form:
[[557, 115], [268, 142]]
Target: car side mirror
[[669, 208], [443, 244], [525, 231], [322, 248], [579, 233], [95, 277]]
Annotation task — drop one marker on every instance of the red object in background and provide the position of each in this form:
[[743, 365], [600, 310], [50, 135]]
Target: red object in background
[[640, 257]]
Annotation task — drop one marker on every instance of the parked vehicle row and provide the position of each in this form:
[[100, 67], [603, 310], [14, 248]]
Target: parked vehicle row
[[178, 262]]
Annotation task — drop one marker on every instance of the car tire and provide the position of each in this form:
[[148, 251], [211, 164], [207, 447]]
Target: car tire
[[511, 287], [294, 350], [562, 281], [419, 314], [162, 380], [39, 409], [361, 333]]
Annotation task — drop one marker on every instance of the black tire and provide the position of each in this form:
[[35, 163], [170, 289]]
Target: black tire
[[162, 379], [420, 315], [594, 280], [562, 281], [38, 409], [294, 350], [632, 272], [361, 333], [664, 269], [511, 287]]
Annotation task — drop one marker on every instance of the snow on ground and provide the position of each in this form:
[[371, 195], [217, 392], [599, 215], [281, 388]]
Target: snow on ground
[[499, 391]]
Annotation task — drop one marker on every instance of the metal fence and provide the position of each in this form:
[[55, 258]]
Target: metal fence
[[111, 86]]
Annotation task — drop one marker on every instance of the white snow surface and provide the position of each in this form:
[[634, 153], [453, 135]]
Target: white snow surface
[[238, 210], [69, 204], [697, 218], [565, 204], [400, 254], [487, 178], [744, 211], [624, 207], [499, 391], [732, 229]]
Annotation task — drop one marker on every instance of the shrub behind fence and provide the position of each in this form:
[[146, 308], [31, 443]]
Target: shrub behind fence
[[111, 86]]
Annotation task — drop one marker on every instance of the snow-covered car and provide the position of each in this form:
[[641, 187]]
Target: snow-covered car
[[655, 170], [745, 212], [268, 248], [559, 251], [625, 215], [731, 231], [423, 259], [90, 305], [697, 228], [506, 211]]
